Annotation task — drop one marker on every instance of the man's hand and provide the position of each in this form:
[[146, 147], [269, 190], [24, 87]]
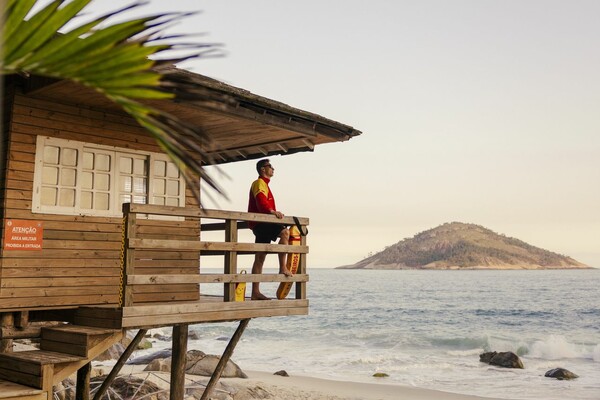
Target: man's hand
[[278, 214]]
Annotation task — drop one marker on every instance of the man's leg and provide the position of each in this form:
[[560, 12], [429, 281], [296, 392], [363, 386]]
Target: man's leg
[[284, 238], [259, 260]]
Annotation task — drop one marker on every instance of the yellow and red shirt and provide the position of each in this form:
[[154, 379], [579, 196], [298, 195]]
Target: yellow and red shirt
[[261, 198]]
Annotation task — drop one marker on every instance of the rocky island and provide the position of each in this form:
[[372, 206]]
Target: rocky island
[[458, 245]]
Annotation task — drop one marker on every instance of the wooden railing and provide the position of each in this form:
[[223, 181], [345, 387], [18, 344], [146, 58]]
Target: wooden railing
[[151, 231]]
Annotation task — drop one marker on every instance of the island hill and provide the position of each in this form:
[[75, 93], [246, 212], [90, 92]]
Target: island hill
[[464, 246]]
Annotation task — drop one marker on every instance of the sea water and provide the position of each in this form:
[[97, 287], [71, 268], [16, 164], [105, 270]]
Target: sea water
[[427, 328]]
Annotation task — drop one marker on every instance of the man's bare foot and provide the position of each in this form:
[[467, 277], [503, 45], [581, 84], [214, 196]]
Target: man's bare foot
[[286, 272], [259, 296]]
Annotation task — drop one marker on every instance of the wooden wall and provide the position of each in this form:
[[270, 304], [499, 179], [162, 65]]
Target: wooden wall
[[149, 262], [7, 93], [80, 260]]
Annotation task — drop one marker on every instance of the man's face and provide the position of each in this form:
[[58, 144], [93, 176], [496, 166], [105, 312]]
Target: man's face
[[269, 170]]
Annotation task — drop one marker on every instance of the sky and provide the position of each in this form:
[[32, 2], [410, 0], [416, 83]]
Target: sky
[[478, 111]]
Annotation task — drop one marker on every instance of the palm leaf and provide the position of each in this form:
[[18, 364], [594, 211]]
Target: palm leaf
[[47, 28], [13, 15], [116, 60]]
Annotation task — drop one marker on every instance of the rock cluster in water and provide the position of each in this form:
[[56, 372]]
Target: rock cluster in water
[[509, 359], [560, 374], [505, 359]]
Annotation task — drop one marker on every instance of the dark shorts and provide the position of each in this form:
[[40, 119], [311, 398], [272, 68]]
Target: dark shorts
[[267, 233]]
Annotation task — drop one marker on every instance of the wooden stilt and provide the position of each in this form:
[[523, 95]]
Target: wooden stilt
[[22, 319], [115, 371], [82, 390], [224, 359], [6, 321], [178, 362]]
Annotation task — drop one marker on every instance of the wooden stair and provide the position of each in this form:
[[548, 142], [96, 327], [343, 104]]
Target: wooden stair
[[63, 350], [11, 390]]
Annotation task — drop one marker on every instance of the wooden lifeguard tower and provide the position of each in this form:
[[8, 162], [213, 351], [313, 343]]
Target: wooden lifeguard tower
[[100, 234]]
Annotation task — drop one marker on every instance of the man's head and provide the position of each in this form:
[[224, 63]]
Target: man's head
[[264, 168]]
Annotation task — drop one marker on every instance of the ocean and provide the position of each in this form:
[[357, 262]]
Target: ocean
[[427, 328]]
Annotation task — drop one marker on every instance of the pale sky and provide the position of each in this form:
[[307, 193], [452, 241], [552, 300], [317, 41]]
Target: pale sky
[[484, 112]]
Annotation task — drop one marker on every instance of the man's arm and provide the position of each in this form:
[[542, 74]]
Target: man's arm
[[264, 207]]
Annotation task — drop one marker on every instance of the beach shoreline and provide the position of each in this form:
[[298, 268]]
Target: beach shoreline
[[312, 388], [265, 385]]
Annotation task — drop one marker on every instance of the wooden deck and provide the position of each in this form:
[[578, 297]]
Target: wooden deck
[[206, 309]]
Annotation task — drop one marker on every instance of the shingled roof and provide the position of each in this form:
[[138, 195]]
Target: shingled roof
[[241, 125]]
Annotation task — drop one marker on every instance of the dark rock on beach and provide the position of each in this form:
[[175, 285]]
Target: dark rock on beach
[[380, 375], [198, 363], [112, 353], [64, 390], [281, 373], [205, 366], [560, 374], [193, 335], [505, 359], [115, 351], [148, 358], [144, 344], [162, 338]]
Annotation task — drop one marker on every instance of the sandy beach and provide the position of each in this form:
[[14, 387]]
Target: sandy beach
[[308, 388], [264, 385]]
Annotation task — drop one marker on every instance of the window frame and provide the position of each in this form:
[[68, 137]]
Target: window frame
[[115, 204]]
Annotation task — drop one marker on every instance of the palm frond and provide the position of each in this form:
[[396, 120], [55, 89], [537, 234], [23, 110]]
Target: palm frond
[[118, 60]]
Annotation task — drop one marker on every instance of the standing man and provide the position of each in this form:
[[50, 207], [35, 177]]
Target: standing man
[[261, 201]]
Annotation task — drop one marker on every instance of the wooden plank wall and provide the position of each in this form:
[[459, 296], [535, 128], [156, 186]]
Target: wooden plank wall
[[80, 260], [166, 262], [7, 93]]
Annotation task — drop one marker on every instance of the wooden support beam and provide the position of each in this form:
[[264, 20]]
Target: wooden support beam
[[301, 286], [212, 278], [47, 377], [15, 333], [117, 367], [82, 390], [230, 267], [178, 361], [6, 321], [22, 319], [193, 245], [126, 295], [209, 214], [216, 375]]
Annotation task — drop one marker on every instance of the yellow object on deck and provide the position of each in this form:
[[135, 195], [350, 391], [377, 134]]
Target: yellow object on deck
[[240, 290]]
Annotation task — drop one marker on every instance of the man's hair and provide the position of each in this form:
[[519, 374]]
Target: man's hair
[[261, 164]]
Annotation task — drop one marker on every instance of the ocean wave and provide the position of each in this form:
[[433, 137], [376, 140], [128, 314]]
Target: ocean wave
[[463, 343], [557, 347], [465, 353], [596, 353]]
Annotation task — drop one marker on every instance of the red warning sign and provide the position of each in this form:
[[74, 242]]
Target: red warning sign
[[23, 234]]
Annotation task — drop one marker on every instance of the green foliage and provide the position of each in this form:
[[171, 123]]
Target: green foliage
[[114, 60]]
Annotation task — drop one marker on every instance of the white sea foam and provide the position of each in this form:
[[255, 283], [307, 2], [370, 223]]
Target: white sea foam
[[557, 347], [596, 353], [465, 353]]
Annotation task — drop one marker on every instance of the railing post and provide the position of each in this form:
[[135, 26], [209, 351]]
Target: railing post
[[128, 256], [231, 235], [301, 286]]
